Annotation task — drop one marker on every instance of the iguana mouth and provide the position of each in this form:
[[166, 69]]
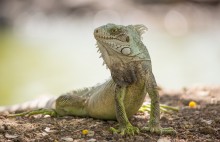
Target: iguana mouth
[[104, 37]]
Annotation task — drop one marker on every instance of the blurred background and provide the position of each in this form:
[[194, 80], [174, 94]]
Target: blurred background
[[48, 48]]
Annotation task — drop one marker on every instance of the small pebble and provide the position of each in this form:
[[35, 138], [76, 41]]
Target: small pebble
[[10, 136], [47, 116], [47, 129], [163, 140], [207, 130], [208, 122], [91, 134], [111, 122], [91, 140], [44, 134], [2, 129], [217, 119], [68, 139]]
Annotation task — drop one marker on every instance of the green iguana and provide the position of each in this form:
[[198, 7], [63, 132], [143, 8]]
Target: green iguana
[[119, 98]]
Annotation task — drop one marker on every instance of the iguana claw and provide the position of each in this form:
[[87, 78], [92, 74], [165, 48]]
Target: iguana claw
[[159, 130], [127, 130]]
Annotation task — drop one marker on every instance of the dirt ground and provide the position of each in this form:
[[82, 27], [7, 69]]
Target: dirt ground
[[200, 124]]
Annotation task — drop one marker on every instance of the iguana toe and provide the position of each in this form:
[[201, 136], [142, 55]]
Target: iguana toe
[[159, 130], [127, 130]]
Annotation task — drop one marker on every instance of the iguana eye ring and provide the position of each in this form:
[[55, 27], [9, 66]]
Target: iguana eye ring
[[126, 50]]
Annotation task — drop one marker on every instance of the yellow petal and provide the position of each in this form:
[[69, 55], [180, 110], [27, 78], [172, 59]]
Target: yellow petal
[[84, 132], [192, 104]]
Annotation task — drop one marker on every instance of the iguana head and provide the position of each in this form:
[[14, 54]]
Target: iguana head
[[121, 44]]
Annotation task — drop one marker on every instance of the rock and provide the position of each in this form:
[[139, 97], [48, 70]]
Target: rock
[[10, 136], [44, 134], [197, 112], [207, 122], [209, 140], [206, 130], [91, 140], [47, 116], [111, 122], [2, 129], [163, 139], [68, 139], [47, 129], [217, 120], [90, 133], [181, 140]]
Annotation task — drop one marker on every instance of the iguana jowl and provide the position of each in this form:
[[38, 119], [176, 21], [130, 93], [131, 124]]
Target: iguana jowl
[[119, 98]]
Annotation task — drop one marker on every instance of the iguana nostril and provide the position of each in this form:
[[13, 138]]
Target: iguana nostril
[[127, 39], [96, 31]]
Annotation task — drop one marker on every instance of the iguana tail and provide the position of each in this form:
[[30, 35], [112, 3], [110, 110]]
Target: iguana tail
[[43, 102]]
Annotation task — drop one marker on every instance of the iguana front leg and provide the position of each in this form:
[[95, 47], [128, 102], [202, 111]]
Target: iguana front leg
[[154, 123], [125, 127]]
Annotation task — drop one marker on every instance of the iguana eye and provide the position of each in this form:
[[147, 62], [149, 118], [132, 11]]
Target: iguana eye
[[113, 30]]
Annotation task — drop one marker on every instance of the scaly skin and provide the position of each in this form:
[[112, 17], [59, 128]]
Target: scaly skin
[[120, 97]]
